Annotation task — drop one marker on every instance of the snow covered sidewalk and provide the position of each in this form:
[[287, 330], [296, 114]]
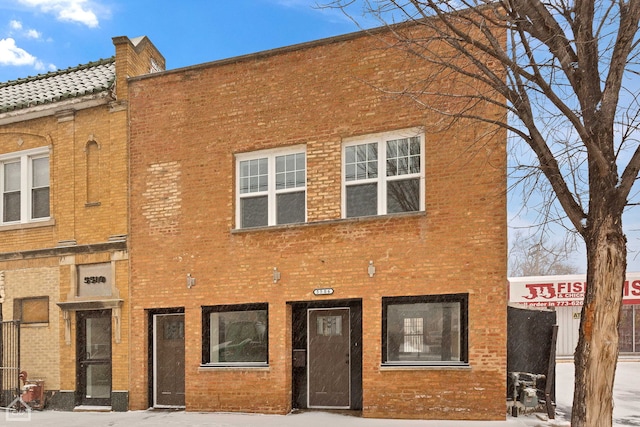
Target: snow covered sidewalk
[[626, 390], [626, 412], [195, 419]]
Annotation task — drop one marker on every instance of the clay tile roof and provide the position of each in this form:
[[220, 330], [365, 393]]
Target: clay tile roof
[[73, 82]]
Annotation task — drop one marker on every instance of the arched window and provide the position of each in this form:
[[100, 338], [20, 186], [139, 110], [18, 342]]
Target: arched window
[[93, 172]]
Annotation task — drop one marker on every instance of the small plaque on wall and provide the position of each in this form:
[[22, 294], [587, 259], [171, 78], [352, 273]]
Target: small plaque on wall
[[94, 280]]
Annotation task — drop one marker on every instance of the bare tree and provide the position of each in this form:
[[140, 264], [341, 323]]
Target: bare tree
[[533, 255], [563, 70]]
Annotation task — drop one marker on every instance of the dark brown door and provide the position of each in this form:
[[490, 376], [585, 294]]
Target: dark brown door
[[94, 358], [168, 366], [329, 362]]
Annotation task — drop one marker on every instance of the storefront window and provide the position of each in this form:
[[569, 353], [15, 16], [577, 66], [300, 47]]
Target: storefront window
[[625, 329], [629, 329], [425, 330], [636, 311], [235, 335]]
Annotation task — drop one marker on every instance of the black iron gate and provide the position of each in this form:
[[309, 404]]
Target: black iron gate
[[9, 361]]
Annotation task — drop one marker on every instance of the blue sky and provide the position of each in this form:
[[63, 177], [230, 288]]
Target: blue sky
[[37, 36]]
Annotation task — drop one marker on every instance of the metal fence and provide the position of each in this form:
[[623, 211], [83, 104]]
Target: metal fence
[[9, 361]]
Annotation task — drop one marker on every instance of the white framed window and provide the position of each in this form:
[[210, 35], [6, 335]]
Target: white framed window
[[271, 187], [24, 180], [383, 173]]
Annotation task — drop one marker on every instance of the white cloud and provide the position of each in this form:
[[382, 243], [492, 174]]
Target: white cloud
[[38, 65], [15, 25], [293, 3], [33, 34], [10, 54], [79, 11]]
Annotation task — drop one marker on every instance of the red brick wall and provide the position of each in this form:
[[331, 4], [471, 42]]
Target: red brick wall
[[186, 127]]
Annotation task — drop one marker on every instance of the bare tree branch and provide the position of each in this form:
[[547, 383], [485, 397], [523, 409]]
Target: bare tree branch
[[560, 70]]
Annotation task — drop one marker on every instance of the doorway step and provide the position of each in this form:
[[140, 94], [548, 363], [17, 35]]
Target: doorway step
[[92, 408]]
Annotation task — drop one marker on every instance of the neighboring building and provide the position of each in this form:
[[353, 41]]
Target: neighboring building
[[565, 295], [64, 269], [300, 239]]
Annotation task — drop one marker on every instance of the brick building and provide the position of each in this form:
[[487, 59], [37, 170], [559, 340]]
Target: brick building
[[299, 239], [64, 269]]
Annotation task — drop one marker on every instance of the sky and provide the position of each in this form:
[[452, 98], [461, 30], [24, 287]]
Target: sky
[[38, 36]]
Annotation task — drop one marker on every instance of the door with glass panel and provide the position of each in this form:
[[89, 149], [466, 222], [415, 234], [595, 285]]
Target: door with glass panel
[[168, 360], [329, 367], [94, 358]]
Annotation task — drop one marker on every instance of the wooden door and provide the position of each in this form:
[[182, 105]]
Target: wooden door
[[329, 364], [168, 364]]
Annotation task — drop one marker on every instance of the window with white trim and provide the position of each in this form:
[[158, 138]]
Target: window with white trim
[[383, 174], [24, 179], [271, 187]]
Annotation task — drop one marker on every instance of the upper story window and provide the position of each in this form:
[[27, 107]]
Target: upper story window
[[24, 179], [383, 174], [271, 187]]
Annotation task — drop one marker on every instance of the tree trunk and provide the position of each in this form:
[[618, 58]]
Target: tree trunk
[[597, 351]]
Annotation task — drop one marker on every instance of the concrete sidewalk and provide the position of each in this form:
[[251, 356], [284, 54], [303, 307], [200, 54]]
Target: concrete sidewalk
[[155, 418], [626, 412]]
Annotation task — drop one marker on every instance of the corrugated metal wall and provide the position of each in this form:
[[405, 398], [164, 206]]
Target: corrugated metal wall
[[568, 319]]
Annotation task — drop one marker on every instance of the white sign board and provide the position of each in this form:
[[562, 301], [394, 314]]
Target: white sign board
[[562, 291]]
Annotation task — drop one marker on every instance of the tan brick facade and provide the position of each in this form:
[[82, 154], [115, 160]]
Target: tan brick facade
[[188, 125], [86, 142], [37, 339]]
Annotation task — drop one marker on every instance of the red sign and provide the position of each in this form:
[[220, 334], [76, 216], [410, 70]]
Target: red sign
[[562, 291]]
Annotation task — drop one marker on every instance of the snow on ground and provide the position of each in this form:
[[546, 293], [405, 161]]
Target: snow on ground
[[626, 413], [626, 410], [191, 419]]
